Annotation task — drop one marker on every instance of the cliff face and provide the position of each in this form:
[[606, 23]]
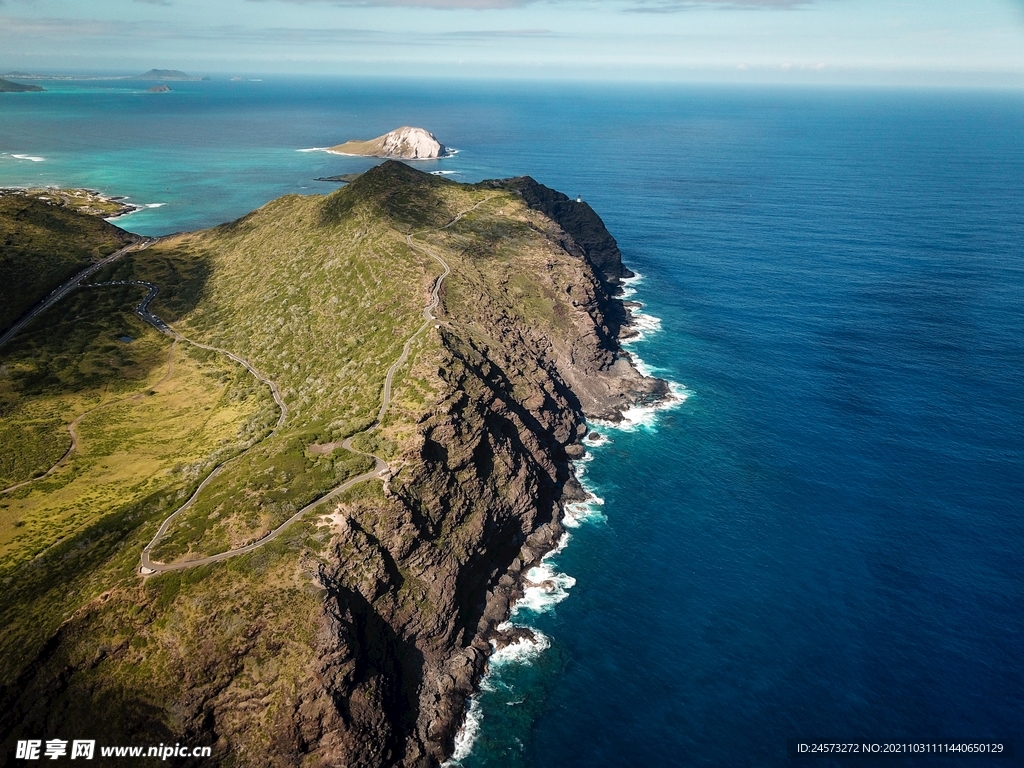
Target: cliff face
[[584, 235], [478, 501], [579, 221], [407, 632], [358, 644]]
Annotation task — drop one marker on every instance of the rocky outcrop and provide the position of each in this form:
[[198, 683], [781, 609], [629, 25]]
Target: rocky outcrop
[[376, 640], [579, 221], [415, 606], [583, 234], [405, 143]]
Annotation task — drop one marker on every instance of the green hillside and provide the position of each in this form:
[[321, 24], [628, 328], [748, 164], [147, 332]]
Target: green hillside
[[320, 295], [42, 246]]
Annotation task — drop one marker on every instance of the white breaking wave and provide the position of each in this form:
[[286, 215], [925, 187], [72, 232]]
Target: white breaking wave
[[314, 149], [467, 734], [155, 205], [522, 651], [445, 173], [647, 415], [545, 589], [33, 158], [588, 510], [643, 324], [629, 285]]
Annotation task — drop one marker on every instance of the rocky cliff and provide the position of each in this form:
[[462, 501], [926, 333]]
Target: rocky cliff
[[357, 642], [579, 221]]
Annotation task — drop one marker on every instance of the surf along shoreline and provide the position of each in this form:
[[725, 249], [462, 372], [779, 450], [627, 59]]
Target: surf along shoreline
[[539, 585], [623, 406]]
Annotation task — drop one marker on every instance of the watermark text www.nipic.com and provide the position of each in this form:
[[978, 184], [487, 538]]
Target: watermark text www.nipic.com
[[86, 749]]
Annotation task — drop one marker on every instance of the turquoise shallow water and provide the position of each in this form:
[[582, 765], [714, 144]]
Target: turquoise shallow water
[[824, 540]]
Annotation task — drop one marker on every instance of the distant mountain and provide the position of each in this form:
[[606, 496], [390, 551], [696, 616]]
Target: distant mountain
[[6, 86], [163, 74]]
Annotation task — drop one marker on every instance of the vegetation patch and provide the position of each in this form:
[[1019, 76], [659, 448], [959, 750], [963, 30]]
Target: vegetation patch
[[43, 244]]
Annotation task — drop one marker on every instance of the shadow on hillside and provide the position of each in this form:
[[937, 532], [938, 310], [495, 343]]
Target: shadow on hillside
[[408, 198], [182, 276], [370, 656]]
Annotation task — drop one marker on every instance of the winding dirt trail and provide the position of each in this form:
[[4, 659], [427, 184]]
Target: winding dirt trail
[[380, 469]]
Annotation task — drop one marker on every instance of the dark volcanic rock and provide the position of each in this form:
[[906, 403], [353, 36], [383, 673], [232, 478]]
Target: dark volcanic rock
[[418, 580], [579, 221]]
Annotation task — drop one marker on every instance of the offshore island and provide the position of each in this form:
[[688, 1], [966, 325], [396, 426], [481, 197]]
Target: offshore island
[[405, 143], [273, 487]]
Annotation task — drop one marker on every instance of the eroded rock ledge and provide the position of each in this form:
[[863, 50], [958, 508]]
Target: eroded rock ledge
[[363, 654], [480, 503]]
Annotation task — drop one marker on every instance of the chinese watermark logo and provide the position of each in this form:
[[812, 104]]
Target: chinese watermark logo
[[29, 749]]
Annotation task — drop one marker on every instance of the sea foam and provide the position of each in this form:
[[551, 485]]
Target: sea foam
[[544, 586], [645, 325], [589, 510], [522, 651], [646, 416], [33, 158], [467, 734]]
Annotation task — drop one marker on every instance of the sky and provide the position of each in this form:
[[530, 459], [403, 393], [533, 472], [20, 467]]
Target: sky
[[896, 42]]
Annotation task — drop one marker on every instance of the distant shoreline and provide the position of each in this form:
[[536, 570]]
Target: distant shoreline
[[88, 201]]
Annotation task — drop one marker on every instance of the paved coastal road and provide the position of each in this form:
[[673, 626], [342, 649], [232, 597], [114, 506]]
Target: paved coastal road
[[59, 293]]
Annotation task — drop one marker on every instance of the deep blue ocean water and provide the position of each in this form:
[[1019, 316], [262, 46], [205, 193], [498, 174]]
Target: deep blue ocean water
[[826, 539]]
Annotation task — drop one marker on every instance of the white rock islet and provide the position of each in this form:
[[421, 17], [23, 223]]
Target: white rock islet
[[405, 143]]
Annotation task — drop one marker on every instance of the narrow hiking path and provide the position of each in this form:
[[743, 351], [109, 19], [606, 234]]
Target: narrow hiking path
[[380, 469], [69, 285], [148, 565], [142, 310]]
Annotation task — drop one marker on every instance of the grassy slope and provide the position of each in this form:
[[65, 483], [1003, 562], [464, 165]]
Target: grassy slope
[[371, 148], [148, 434], [320, 294], [42, 246]]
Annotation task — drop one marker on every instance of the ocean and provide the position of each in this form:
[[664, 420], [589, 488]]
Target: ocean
[[823, 537]]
